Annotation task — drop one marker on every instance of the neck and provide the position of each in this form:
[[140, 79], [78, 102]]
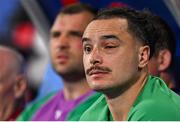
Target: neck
[[73, 90], [121, 105], [168, 79]]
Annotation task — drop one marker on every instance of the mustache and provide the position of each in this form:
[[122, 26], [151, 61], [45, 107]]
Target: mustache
[[103, 69]]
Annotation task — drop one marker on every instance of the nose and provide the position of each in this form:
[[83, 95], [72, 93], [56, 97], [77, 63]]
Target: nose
[[96, 57], [63, 42]]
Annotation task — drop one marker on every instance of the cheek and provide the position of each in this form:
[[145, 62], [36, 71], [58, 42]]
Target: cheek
[[52, 49], [1, 89], [77, 45], [123, 64], [51, 46], [5, 89], [77, 50]]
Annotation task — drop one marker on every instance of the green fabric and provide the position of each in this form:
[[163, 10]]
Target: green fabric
[[97, 112], [28, 113], [156, 102], [79, 110]]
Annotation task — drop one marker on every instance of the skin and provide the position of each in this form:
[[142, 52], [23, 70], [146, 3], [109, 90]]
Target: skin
[[66, 51], [12, 84], [115, 63], [153, 66], [158, 66]]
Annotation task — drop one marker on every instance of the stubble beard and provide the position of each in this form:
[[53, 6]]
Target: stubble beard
[[71, 75]]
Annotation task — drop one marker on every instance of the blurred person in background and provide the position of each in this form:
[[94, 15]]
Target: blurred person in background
[[28, 41], [13, 84], [66, 56], [177, 76], [161, 63]]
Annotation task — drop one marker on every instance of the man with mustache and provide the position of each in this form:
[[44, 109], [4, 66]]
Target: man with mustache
[[117, 46], [66, 54]]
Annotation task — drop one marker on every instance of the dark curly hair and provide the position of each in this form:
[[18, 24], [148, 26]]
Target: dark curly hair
[[165, 38], [138, 24]]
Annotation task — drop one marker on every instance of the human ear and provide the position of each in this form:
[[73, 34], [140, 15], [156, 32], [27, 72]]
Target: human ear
[[20, 86], [144, 53], [164, 59]]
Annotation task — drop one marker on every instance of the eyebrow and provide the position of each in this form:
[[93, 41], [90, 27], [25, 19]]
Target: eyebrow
[[76, 33], [54, 32], [109, 37], [84, 39]]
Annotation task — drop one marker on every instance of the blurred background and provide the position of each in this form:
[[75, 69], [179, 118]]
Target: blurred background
[[25, 25]]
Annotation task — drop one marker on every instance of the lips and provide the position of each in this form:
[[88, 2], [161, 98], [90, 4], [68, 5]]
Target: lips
[[62, 58], [97, 72]]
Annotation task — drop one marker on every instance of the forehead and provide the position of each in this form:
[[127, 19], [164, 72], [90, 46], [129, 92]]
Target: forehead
[[106, 26], [75, 21]]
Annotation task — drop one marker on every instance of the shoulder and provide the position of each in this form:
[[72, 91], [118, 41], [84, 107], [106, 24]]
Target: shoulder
[[97, 111], [76, 113], [155, 102], [32, 108], [157, 110]]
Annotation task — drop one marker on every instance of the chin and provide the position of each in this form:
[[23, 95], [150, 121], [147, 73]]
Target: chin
[[99, 87]]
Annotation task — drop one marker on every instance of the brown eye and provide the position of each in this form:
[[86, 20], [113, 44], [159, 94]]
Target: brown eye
[[87, 49]]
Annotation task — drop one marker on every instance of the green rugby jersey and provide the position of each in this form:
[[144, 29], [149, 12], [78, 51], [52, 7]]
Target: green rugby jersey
[[155, 102]]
